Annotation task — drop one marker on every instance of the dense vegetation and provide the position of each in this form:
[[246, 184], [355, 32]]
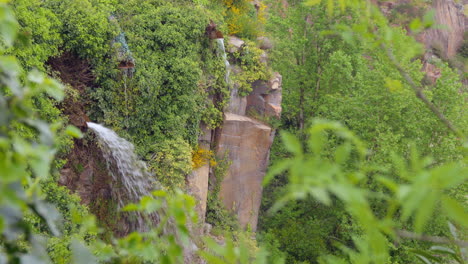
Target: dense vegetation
[[358, 189]]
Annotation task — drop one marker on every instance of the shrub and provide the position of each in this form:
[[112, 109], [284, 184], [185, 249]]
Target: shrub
[[171, 161], [252, 69]]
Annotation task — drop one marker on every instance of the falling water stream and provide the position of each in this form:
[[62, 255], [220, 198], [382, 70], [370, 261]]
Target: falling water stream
[[131, 179], [221, 47]]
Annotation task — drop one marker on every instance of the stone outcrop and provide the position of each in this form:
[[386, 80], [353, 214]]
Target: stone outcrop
[[246, 140], [449, 14], [234, 44], [266, 97], [247, 143], [449, 18], [197, 181]]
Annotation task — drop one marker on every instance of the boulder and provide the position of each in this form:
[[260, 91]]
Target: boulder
[[265, 98], [264, 43], [234, 44]]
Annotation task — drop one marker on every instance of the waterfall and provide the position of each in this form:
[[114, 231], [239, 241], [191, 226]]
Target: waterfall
[[221, 47], [234, 100], [131, 179]]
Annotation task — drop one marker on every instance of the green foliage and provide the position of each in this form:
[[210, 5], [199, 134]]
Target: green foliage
[[216, 212], [242, 19], [413, 198], [171, 161], [41, 37], [463, 50], [251, 68], [351, 79], [86, 28], [213, 87], [27, 152]]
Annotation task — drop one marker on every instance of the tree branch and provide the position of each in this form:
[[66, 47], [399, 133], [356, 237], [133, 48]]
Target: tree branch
[[420, 94], [434, 239]]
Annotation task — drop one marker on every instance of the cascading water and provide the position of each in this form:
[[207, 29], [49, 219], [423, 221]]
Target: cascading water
[[221, 47], [131, 179], [131, 182], [234, 89], [234, 96]]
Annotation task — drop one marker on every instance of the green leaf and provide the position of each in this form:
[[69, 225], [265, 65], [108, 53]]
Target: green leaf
[[81, 254], [322, 195], [342, 153], [48, 212], [54, 89], [447, 251], [74, 132], [8, 25], [394, 85], [291, 143], [416, 25], [455, 211], [429, 18], [425, 256], [425, 211], [131, 207], [276, 169]]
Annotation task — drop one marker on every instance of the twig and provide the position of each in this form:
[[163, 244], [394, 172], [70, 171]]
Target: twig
[[434, 239], [419, 93]]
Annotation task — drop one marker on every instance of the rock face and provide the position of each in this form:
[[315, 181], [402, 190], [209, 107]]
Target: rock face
[[246, 140], [234, 44], [247, 143], [450, 15], [266, 97], [197, 181]]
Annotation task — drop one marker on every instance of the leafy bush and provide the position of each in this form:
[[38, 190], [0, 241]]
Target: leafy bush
[[216, 212], [242, 18], [171, 161], [251, 68], [41, 29]]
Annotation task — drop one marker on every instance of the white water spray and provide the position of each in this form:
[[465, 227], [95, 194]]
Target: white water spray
[[131, 179], [221, 47]]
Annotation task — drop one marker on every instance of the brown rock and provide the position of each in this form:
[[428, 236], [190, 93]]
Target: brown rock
[[264, 43], [197, 181], [212, 32], [248, 144], [266, 97], [234, 44], [448, 39]]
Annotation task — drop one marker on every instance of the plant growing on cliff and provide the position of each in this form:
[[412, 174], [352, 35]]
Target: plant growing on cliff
[[171, 162], [216, 212], [26, 161], [249, 59], [244, 19]]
